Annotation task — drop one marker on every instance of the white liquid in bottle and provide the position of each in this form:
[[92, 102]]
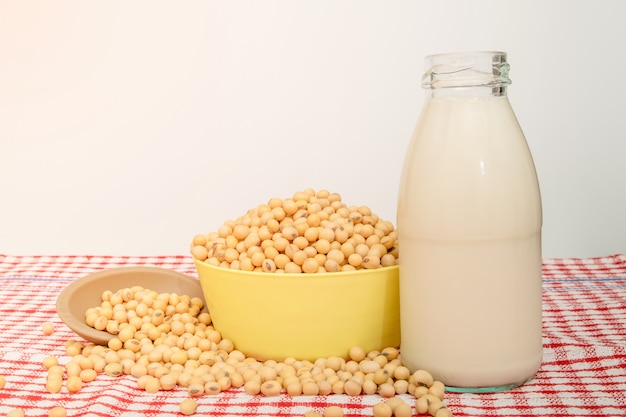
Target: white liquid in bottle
[[469, 223]]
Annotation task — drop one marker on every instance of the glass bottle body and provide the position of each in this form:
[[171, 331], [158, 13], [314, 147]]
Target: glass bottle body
[[469, 223]]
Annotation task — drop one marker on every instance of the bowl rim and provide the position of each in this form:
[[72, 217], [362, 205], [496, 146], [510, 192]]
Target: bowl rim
[[294, 275]]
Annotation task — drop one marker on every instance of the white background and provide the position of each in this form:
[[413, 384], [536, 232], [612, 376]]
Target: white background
[[127, 127]]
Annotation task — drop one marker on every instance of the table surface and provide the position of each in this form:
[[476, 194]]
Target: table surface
[[583, 371]]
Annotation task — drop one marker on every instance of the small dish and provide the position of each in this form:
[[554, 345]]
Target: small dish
[[86, 292]]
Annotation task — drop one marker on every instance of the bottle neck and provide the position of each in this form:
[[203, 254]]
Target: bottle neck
[[466, 74], [460, 92]]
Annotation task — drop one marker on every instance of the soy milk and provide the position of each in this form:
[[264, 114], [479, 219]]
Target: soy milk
[[469, 222]]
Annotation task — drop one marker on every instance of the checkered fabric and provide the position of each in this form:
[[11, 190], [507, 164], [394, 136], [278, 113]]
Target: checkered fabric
[[583, 372]]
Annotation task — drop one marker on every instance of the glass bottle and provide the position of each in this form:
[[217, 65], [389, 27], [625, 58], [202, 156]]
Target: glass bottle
[[469, 223]]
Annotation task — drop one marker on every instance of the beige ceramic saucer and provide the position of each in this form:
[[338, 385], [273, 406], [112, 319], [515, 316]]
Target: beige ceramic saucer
[[86, 292]]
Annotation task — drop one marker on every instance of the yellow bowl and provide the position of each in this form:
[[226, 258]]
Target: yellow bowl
[[304, 316]]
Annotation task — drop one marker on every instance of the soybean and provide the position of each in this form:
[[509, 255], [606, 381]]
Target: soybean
[[48, 329], [57, 412], [54, 384], [403, 410], [382, 410], [333, 411], [74, 383], [188, 406]]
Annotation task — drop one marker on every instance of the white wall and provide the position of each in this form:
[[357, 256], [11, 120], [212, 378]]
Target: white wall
[[126, 127]]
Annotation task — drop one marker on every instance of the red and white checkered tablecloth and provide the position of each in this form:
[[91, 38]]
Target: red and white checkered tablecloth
[[583, 372]]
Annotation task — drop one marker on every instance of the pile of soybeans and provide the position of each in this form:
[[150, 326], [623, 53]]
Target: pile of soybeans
[[310, 232], [166, 342]]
